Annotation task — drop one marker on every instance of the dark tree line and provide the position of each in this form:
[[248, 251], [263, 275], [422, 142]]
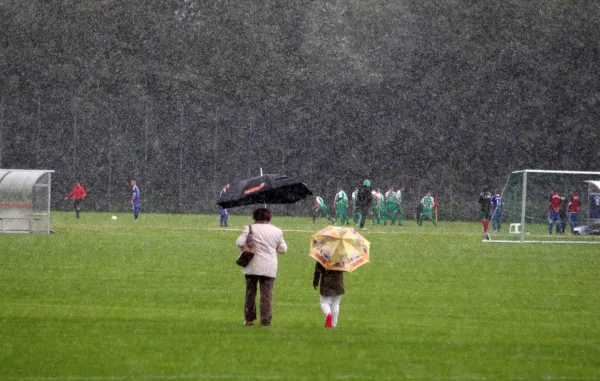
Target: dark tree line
[[185, 95]]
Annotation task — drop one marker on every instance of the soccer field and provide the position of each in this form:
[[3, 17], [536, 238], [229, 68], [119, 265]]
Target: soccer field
[[162, 299]]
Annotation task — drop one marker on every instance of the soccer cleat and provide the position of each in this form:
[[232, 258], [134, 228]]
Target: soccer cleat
[[328, 320]]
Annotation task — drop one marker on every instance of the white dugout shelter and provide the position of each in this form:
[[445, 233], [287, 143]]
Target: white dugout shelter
[[25, 200]]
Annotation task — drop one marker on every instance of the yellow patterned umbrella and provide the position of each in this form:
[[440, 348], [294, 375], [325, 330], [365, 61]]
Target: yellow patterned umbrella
[[338, 248]]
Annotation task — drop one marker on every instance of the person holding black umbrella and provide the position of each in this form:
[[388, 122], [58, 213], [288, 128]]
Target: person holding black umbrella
[[267, 242]]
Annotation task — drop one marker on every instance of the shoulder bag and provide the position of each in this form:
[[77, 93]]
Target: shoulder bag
[[248, 250]]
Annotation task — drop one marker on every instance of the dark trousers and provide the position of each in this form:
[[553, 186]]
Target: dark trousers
[[364, 210], [77, 207], [266, 298]]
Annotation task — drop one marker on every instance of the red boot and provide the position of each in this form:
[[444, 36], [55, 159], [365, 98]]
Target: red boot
[[328, 321]]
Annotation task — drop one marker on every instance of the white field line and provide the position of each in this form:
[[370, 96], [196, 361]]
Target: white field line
[[549, 241]]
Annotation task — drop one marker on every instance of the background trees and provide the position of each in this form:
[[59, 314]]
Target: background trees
[[186, 95]]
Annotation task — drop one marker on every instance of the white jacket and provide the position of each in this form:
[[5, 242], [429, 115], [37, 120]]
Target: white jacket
[[268, 241]]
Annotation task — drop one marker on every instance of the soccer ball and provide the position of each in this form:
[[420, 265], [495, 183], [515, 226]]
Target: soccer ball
[[114, 218]]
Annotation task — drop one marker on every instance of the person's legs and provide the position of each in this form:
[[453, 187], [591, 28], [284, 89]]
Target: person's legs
[[573, 221], [335, 309], [250, 303], [326, 215], [77, 207], [266, 300], [363, 218], [344, 217], [136, 212], [394, 215], [326, 303]]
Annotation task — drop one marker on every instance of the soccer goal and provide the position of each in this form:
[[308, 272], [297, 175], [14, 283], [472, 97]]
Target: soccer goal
[[525, 200], [25, 200]]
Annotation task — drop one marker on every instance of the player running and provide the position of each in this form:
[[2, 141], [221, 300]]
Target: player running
[[78, 193], [319, 209]]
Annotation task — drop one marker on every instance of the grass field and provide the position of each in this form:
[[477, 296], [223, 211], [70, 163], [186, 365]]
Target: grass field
[[162, 299]]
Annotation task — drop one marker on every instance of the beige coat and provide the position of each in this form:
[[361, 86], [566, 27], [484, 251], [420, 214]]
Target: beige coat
[[268, 241]]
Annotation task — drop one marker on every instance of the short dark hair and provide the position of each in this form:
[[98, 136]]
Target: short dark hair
[[262, 214]]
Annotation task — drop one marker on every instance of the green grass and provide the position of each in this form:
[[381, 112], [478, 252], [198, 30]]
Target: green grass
[[162, 299]]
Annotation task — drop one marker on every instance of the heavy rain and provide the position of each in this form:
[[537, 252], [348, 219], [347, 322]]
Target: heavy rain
[[187, 95]]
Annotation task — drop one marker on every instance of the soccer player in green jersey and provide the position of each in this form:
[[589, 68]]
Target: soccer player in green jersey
[[427, 203], [400, 206], [320, 209], [356, 214], [391, 206], [341, 203], [376, 206]]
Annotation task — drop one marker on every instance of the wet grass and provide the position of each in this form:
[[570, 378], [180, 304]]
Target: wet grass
[[161, 299]]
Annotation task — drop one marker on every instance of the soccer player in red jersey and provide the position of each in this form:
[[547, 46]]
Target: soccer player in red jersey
[[78, 193], [574, 207], [485, 203], [554, 212]]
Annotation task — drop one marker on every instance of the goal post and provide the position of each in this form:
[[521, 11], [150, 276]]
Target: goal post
[[525, 200]]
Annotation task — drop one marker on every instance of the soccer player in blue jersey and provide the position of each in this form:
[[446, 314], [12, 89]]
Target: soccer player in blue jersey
[[223, 213], [496, 211], [135, 200]]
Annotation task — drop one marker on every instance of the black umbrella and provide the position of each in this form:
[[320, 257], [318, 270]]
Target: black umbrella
[[266, 189]]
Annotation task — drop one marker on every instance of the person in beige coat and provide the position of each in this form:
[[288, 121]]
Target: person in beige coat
[[268, 242]]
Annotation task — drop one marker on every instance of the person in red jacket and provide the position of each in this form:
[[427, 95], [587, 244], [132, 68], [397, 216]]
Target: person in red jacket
[[78, 193], [574, 207], [554, 211]]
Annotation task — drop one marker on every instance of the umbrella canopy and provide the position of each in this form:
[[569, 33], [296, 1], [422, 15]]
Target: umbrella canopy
[[338, 248], [266, 189]]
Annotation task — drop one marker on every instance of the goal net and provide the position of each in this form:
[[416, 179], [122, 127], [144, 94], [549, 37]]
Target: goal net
[[525, 210]]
